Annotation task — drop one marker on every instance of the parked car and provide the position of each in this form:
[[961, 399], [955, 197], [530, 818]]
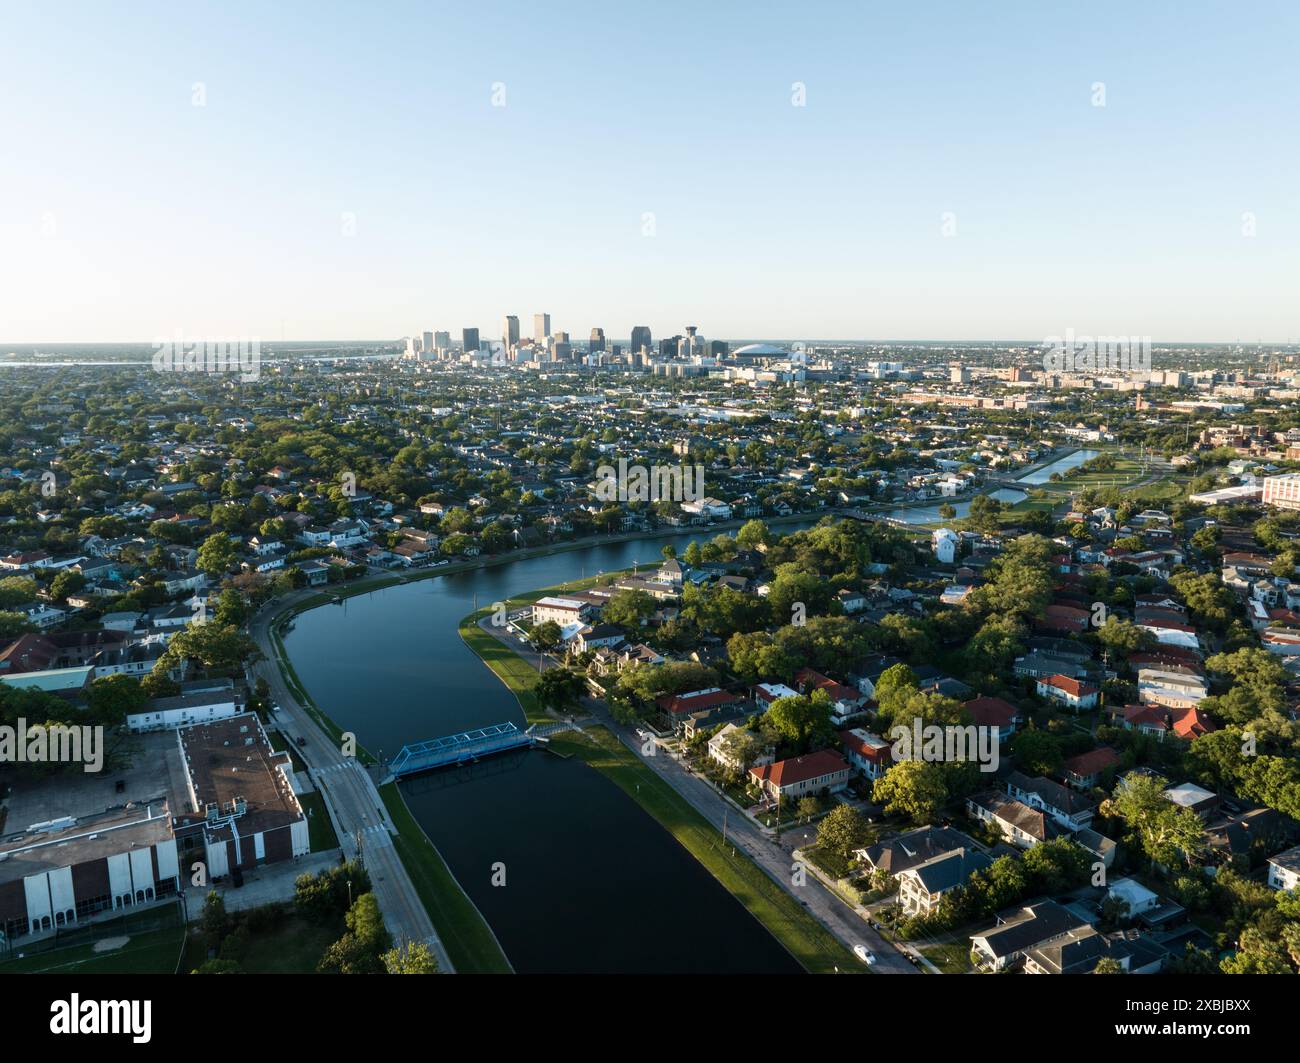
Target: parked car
[[864, 954]]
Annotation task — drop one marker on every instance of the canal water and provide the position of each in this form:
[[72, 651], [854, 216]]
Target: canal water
[[1061, 465], [593, 883]]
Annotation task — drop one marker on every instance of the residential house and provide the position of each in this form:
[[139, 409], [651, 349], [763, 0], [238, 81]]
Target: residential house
[[1068, 809], [1086, 771], [1022, 826], [797, 777], [1074, 694], [868, 753], [1021, 930], [920, 888]]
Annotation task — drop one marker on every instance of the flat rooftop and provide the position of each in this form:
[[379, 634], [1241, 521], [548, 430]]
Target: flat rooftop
[[232, 760], [95, 838], [151, 772]]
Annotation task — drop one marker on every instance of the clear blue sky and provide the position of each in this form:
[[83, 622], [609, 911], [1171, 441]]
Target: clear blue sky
[[126, 212]]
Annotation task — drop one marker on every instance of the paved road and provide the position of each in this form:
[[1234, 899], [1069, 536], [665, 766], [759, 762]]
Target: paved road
[[775, 859], [353, 802]]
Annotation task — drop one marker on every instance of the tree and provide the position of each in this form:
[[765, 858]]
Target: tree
[[1037, 752], [740, 747], [16, 590], [1166, 832], [214, 922], [557, 687], [455, 544], [361, 949], [808, 807], [14, 624], [1109, 965], [546, 635], [112, 698], [916, 789], [413, 957], [217, 647], [69, 581], [752, 533], [321, 898], [1123, 637], [800, 722], [217, 555], [896, 684], [629, 609], [842, 830]]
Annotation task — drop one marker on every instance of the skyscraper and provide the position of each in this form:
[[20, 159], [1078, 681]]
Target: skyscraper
[[541, 328], [427, 346], [641, 338], [510, 332], [442, 342], [597, 340], [469, 340]]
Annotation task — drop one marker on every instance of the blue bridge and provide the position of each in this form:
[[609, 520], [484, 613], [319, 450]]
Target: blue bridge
[[458, 748]]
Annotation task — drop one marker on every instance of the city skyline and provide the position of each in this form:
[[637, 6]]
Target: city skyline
[[857, 173]]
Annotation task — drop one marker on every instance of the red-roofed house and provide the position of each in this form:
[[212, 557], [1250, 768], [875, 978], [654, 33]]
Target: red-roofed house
[[846, 701], [1157, 720], [799, 776], [1085, 771], [696, 701], [994, 712], [1064, 619], [867, 752], [1072, 693]]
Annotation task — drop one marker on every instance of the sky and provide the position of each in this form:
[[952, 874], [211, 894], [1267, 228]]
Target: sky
[[796, 171]]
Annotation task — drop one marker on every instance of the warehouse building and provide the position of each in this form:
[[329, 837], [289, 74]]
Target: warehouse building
[[237, 809]]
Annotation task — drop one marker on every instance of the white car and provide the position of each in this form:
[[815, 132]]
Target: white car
[[864, 954]]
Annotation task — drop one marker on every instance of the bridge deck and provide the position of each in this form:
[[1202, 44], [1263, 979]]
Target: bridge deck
[[458, 748]]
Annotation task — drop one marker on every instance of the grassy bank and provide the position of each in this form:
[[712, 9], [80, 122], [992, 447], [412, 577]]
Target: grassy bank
[[321, 831], [806, 939], [519, 675], [469, 941]]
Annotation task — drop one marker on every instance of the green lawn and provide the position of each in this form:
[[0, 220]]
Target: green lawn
[[295, 947], [509, 667], [807, 940], [518, 674], [951, 958], [321, 831], [151, 952], [469, 941]]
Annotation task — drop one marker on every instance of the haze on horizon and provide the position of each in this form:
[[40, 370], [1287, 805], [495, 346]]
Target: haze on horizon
[[321, 172]]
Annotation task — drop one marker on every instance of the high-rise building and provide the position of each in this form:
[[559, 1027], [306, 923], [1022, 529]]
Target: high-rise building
[[641, 338], [597, 340], [719, 348], [428, 343], [510, 332], [469, 340], [541, 328], [668, 347]]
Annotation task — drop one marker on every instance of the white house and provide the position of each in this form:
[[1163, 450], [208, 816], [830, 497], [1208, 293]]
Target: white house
[[561, 610], [1072, 693], [719, 749], [945, 542], [164, 714], [710, 508], [1138, 898], [1284, 870]]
